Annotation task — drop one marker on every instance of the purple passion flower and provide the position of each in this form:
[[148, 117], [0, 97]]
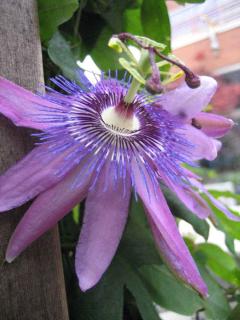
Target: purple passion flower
[[96, 147]]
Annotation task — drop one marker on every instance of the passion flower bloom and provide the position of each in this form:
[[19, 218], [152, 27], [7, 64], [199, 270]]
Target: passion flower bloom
[[96, 147]]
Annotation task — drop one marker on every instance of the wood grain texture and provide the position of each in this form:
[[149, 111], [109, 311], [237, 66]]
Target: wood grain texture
[[32, 287]]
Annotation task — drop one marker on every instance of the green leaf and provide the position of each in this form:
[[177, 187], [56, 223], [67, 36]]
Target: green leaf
[[235, 313], [230, 227], [226, 194], [104, 56], [169, 292], [132, 21], [229, 241], [60, 53], [114, 15], [225, 224], [180, 211], [140, 293], [98, 6], [53, 13], [137, 245], [155, 21], [216, 305], [220, 262], [103, 302]]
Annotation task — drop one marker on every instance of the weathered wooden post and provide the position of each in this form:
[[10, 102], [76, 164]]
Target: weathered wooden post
[[32, 287]]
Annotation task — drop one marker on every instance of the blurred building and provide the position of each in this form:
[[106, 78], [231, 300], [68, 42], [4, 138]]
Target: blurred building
[[207, 38]]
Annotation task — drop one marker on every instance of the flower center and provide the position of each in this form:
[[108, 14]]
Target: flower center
[[118, 121]]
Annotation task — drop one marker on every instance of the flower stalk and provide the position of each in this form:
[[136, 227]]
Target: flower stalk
[[192, 80]]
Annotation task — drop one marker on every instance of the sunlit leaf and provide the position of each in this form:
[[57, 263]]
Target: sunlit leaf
[[155, 21], [169, 292], [225, 224], [132, 21], [221, 263], [216, 305]]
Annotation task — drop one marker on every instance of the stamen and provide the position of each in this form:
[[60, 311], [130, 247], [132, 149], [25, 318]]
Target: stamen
[[192, 80]]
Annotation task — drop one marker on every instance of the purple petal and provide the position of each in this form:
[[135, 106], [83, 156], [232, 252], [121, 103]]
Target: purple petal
[[20, 105], [218, 144], [45, 212], [32, 175], [170, 243], [105, 217], [191, 199], [187, 102], [214, 201], [203, 146], [214, 125]]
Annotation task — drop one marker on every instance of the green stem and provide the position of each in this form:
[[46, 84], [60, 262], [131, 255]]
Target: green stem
[[143, 67]]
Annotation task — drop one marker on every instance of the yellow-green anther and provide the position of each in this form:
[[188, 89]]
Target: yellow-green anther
[[115, 44], [131, 68]]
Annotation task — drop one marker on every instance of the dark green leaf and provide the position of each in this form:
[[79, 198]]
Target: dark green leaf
[[137, 244], [52, 13], [114, 16], [60, 53], [105, 57], [216, 305], [221, 263], [140, 293], [155, 21], [235, 314], [169, 292], [98, 6], [229, 241], [103, 302]]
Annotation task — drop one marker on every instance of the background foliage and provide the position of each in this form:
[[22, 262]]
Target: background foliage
[[137, 281]]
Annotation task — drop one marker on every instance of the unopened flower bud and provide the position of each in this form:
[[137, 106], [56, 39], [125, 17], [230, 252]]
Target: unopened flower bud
[[192, 80]]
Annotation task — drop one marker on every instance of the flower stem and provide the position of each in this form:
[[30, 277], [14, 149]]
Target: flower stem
[[143, 67]]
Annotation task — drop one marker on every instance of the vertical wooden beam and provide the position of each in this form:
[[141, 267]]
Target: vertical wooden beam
[[32, 287]]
